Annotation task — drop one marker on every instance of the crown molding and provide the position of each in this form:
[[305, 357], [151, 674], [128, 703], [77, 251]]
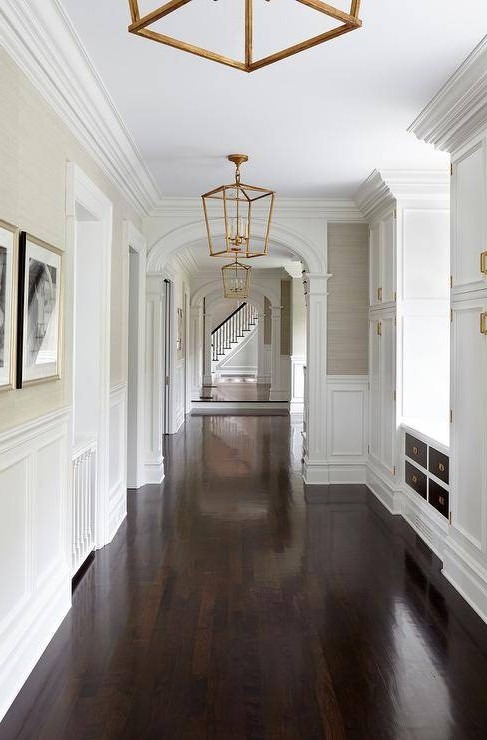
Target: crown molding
[[459, 110], [331, 209], [383, 188], [41, 39]]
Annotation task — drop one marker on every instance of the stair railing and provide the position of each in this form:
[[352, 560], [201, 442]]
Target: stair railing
[[230, 331]]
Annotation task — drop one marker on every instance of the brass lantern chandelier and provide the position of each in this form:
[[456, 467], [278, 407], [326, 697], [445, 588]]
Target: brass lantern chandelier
[[234, 205], [236, 279], [343, 23]]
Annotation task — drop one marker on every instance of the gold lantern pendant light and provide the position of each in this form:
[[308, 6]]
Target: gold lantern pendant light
[[235, 205], [236, 279], [342, 22]]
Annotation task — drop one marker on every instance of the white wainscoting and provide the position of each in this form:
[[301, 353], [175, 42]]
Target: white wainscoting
[[297, 384], [35, 537], [117, 500], [347, 427], [179, 401]]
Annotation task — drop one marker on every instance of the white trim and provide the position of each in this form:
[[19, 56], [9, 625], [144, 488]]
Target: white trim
[[459, 110], [466, 576], [326, 473], [232, 407], [133, 239], [80, 189], [118, 487], [380, 191], [32, 621], [41, 39], [332, 209]]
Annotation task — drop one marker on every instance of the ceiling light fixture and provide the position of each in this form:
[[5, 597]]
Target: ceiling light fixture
[[347, 22], [236, 279], [233, 205]]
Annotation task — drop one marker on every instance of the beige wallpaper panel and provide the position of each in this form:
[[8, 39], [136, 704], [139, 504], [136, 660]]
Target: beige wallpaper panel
[[348, 262], [34, 148]]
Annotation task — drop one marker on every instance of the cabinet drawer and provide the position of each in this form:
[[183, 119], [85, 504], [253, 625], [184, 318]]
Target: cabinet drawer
[[415, 479], [417, 450], [439, 465], [439, 498]]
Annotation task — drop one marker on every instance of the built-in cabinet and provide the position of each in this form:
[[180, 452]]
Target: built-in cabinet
[[409, 317], [469, 346], [382, 380]]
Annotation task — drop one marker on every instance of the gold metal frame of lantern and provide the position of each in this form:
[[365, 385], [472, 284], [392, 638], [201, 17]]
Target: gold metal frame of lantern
[[347, 22], [234, 205], [236, 279]]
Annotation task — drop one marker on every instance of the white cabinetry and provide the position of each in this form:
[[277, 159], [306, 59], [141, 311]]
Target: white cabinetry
[[469, 218], [456, 122], [382, 390], [469, 347], [408, 215]]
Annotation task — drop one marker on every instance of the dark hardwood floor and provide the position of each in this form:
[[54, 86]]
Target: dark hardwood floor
[[236, 389], [229, 607]]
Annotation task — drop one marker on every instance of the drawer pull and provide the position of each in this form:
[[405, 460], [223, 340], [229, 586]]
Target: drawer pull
[[379, 293], [441, 467], [483, 323], [414, 478], [483, 263], [415, 450], [441, 500]]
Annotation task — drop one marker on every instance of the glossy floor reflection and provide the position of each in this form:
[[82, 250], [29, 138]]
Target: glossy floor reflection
[[238, 388], [228, 607]]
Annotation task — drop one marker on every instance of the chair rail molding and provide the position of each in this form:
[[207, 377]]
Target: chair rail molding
[[459, 110], [41, 39]]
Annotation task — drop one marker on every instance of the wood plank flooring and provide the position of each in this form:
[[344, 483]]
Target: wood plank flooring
[[229, 607]]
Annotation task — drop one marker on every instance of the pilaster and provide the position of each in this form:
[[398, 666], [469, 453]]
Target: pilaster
[[153, 458]]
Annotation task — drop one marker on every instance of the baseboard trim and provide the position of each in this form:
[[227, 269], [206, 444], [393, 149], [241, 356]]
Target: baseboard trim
[[35, 630], [467, 577], [383, 491], [325, 473], [154, 472], [240, 407]]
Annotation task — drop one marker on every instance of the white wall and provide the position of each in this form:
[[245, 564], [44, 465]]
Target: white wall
[[243, 359], [35, 424]]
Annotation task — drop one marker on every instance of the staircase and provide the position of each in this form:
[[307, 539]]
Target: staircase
[[231, 332]]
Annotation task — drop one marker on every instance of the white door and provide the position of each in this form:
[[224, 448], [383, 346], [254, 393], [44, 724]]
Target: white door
[[469, 217], [388, 251], [387, 391], [375, 266], [469, 427], [374, 400]]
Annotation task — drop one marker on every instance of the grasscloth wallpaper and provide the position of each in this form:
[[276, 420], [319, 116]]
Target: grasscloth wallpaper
[[35, 145], [348, 262]]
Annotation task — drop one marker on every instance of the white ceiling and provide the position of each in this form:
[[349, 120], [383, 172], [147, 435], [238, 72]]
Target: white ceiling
[[314, 125]]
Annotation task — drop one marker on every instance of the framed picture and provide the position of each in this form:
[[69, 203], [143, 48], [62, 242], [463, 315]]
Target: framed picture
[[179, 342], [39, 311], [8, 239]]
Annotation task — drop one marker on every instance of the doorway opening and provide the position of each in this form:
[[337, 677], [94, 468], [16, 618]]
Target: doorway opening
[[89, 234]]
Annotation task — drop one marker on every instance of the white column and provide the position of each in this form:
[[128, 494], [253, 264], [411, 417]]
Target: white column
[[207, 325], [196, 350], [277, 393], [153, 459], [315, 468], [261, 369]]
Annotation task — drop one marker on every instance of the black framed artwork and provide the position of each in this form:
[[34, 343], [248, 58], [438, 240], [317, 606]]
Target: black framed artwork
[[39, 311], [8, 244]]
